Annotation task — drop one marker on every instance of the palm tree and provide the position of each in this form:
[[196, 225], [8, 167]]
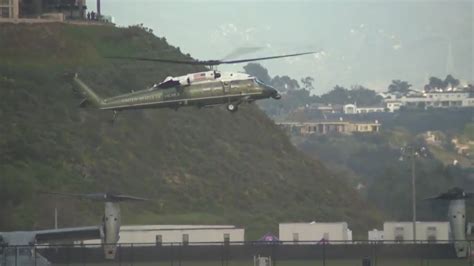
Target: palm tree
[[436, 83], [451, 81], [399, 86]]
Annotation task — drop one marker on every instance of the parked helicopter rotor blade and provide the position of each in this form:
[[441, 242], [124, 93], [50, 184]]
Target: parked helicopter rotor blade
[[91, 196], [439, 197], [454, 193], [100, 196], [122, 197], [208, 62]]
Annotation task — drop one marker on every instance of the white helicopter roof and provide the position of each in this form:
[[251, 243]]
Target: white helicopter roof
[[234, 75], [206, 75], [202, 77]]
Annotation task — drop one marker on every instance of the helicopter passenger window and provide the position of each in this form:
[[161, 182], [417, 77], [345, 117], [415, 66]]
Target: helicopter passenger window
[[236, 83]]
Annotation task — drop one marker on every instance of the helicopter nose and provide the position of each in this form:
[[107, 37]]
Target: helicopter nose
[[269, 91]]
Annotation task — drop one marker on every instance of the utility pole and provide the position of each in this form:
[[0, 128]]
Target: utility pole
[[413, 187], [413, 151], [55, 217]]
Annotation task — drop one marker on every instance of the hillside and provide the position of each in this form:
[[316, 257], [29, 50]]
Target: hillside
[[198, 166], [376, 162]]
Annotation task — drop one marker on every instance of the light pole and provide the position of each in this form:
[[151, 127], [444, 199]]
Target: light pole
[[413, 151], [413, 191], [56, 217]]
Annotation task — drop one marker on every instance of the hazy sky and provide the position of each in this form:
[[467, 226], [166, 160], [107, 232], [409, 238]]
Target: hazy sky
[[363, 42]]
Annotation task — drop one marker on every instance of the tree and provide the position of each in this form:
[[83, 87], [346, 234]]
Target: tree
[[470, 88], [285, 83], [338, 95], [308, 83], [399, 86], [450, 81], [258, 71], [435, 83], [468, 131], [363, 96]]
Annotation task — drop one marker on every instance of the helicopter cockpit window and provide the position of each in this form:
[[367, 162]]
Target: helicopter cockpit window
[[153, 87], [168, 84]]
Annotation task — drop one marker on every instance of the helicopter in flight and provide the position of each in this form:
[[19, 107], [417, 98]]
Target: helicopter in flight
[[201, 89]]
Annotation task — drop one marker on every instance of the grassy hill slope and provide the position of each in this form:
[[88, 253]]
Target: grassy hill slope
[[376, 161], [199, 166]]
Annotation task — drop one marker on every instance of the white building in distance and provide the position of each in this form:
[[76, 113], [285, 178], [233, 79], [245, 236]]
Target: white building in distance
[[9, 9], [354, 109], [330, 127], [376, 235], [315, 232], [428, 100], [402, 232], [178, 234]]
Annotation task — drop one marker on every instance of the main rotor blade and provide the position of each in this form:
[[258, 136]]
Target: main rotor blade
[[208, 62], [160, 60], [264, 58], [241, 51]]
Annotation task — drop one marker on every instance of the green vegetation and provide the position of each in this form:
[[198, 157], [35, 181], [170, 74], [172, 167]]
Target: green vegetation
[[399, 86], [198, 166], [377, 163], [418, 121], [436, 83], [296, 97]]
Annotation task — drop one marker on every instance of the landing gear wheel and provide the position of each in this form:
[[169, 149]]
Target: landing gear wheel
[[232, 107]]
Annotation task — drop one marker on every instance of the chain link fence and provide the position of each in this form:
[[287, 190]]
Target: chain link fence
[[332, 253]]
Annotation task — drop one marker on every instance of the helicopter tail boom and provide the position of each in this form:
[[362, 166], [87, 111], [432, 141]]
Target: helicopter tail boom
[[86, 91]]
